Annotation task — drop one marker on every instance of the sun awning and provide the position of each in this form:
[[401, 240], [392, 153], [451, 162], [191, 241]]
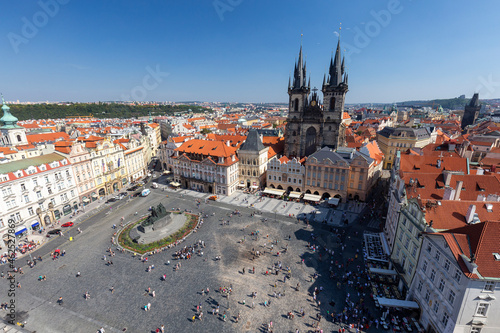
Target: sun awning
[[396, 303], [34, 224], [311, 197], [241, 185], [254, 186], [273, 191], [334, 201], [295, 195], [20, 230], [85, 200], [94, 195], [175, 184], [383, 271]]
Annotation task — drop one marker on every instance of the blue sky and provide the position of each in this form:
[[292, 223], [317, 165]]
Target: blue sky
[[244, 50]]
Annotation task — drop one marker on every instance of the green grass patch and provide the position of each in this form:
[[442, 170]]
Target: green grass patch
[[128, 243]]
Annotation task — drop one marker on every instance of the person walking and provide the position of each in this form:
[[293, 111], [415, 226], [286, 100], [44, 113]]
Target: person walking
[[112, 289]]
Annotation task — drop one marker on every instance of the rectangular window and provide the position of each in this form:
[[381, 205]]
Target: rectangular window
[[451, 297], [489, 286], [427, 296], [26, 199], [445, 318], [414, 251], [458, 275], [429, 248], [433, 275], [447, 265], [23, 187], [400, 237], [35, 182], [419, 286], [341, 187], [442, 284], [482, 309], [424, 266], [30, 211], [410, 268], [407, 242], [437, 256], [475, 330], [435, 307]]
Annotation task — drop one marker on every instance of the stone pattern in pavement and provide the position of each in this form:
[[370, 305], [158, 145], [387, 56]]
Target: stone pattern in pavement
[[177, 296]]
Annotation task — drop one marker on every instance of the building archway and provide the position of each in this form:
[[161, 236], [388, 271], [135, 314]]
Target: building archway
[[308, 192], [338, 196], [46, 220], [272, 186], [316, 193], [280, 187], [356, 197], [102, 192], [310, 141], [115, 187], [325, 195], [297, 189], [289, 189]]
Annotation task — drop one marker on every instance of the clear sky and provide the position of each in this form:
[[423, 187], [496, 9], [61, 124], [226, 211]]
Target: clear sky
[[244, 50]]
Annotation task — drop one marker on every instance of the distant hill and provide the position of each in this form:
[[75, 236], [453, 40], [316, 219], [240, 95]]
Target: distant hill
[[449, 103], [54, 111]]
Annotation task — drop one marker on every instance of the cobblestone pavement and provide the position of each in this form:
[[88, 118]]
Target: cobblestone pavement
[[177, 297]]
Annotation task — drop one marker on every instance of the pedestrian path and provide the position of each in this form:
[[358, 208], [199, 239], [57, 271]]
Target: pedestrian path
[[324, 214]]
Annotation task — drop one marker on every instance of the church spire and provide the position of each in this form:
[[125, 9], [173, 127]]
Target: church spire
[[299, 73], [336, 68]]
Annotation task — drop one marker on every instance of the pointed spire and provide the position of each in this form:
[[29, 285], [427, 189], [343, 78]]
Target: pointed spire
[[299, 73], [324, 80], [289, 82], [342, 67], [309, 84]]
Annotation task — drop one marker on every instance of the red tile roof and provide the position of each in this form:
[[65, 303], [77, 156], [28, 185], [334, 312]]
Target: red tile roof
[[480, 240], [451, 214], [428, 164], [47, 137]]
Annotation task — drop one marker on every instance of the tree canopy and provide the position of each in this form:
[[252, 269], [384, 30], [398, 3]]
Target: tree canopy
[[100, 110]]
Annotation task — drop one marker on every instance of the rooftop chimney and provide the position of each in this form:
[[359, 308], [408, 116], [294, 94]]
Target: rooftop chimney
[[458, 189], [470, 214], [447, 178], [449, 193]]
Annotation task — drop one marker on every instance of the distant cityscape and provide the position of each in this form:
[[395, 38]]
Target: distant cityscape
[[432, 167]]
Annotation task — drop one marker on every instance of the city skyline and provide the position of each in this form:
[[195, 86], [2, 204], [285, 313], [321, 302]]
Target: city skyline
[[237, 51]]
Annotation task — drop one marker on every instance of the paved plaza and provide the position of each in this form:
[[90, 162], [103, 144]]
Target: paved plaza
[[119, 292]]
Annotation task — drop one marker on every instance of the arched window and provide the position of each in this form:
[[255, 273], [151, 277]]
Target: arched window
[[296, 105], [332, 103], [19, 138]]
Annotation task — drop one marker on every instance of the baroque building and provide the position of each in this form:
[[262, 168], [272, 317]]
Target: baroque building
[[310, 125]]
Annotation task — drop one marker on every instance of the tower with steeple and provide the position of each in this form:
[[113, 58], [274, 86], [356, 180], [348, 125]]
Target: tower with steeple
[[12, 133], [471, 111], [311, 124], [334, 90]]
